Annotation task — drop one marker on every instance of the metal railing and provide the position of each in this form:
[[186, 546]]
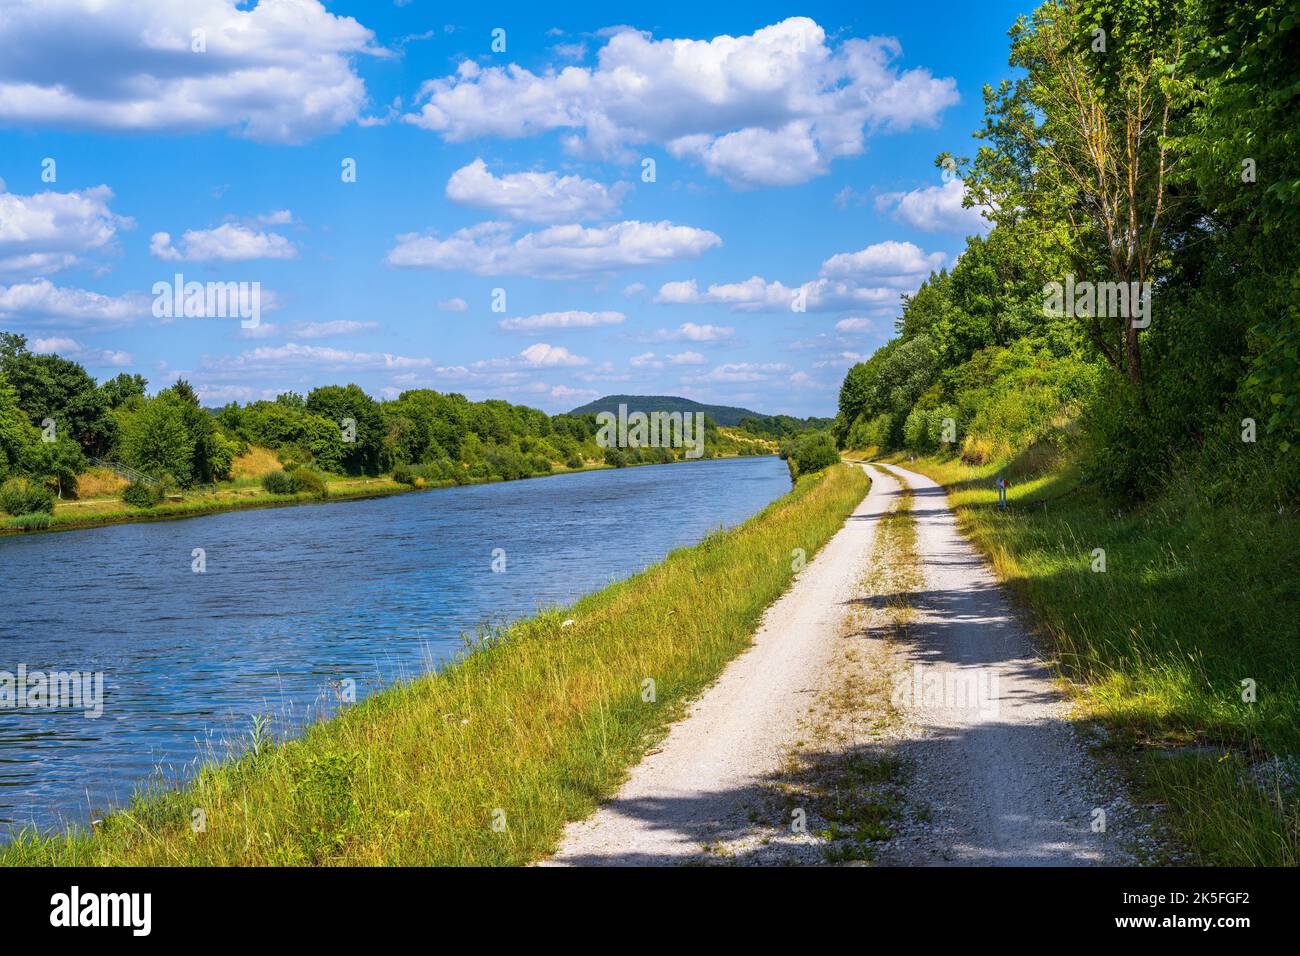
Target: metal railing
[[125, 471]]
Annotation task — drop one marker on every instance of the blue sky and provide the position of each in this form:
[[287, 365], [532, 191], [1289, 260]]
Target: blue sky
[[793, 150]]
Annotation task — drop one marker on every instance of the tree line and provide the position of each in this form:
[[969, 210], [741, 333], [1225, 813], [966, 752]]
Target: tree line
[[55, 418], [1146, 151]]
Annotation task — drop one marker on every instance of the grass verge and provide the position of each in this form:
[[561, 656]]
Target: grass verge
[[484, 762], [1196, 597]]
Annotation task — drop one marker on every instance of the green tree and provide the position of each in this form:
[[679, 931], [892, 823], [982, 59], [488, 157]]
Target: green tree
[[155, 439], [356, 416], [16, 432], [58, 389], [122, 388], [1079, 147]]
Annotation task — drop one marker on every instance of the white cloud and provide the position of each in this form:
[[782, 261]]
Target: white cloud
[[55, 344], [279, 71], [230, 242], [294, 354], [769, 108], [455, 304], [557, 252], [739, 372], [872, 277], [653, 361], [543, 197], [44, 304], [888, 260], [263, 330], [842, 360], [935, 209], [686, 358], [74, 350], [634, 289], [541, 355], [49, 231], [853, 325], [580, 395], [847, 197], [552, 321], [757, 294], [320, 330], [691, 332], [280, 217]]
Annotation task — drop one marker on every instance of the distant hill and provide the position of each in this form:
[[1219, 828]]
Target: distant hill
[[725, 415]]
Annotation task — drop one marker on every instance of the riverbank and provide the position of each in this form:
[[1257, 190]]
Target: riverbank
[[484, 762], [248, 495], [1175, 621]]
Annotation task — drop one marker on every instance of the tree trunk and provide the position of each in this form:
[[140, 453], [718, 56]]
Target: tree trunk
[[1132, 357]]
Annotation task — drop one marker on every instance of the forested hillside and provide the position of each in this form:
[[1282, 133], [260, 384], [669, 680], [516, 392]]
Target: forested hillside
[[1140, 143]]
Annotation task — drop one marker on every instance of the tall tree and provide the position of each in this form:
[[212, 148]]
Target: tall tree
[[1079, 147]]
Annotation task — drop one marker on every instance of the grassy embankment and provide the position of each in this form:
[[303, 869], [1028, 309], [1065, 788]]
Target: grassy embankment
[[539, 721], [99, 494], [1201, 591]]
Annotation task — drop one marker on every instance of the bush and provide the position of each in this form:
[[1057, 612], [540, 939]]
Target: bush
[[616, 457], [811, 452], [405, 475], [309, 481], [21, 496], [140, 494], [278, 483]]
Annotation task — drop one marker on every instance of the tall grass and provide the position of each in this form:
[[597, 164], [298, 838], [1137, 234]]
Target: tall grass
[[1197, 596], [529, 730]]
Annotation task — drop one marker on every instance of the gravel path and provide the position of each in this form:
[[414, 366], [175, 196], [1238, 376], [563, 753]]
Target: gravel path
[[995, 757], [698, 788], [987, 744]]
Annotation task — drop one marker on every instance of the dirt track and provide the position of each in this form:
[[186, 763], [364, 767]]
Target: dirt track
[[996, 764]]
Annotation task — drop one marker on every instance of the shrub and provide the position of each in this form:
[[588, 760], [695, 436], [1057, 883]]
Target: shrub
[[21, 496], [508, 463], [405, 475], [309, 481], [278, 483], [811, 452], [140, 494], [616, 457]]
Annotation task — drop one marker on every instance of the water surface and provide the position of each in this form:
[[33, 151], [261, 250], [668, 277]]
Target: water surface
[[296, 598]]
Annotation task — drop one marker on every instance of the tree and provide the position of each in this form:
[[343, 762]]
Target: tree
[[16, 432], [59, 461], [360, 427], [1080, 146], [50, 387], [124, 387], [156, 441]]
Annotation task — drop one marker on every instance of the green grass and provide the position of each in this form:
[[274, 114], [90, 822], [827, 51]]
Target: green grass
[[539, 721], [1198, 595]]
